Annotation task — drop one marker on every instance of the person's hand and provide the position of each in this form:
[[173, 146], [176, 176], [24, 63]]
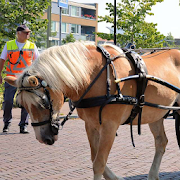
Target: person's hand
[[0, 79]]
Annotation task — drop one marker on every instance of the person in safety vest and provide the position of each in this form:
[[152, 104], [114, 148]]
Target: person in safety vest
[[19, 53]]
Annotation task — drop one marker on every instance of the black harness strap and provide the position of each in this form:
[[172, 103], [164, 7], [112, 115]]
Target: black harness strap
[[141, 78], [141, 70], [99, 100], [110, 97], [79, 102], [138, 102]]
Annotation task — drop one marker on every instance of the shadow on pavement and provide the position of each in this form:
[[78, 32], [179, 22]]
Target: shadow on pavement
[[5, 134], [163, 176]]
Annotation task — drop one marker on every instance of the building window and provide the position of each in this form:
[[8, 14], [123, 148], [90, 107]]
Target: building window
[[65, 11], [74, 28], [54, 42], [53, 26], [74, 11], [64, 27]]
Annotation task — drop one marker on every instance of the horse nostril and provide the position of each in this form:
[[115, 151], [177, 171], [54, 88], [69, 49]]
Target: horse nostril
[[49, 141]]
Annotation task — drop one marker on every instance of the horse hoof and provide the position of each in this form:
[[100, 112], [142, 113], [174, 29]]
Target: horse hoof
[[153, 178]]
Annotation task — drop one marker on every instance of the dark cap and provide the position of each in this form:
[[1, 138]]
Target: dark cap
[[23, 28]]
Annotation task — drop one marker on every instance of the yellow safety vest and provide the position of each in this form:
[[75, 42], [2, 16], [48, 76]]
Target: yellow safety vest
[[18, 60]]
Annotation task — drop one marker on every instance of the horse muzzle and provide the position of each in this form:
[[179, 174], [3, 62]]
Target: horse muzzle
[[49, 135]]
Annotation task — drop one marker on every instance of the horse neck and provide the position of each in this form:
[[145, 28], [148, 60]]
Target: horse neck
[[96, 62]]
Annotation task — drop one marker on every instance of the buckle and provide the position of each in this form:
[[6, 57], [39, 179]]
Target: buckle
[[141, 100]]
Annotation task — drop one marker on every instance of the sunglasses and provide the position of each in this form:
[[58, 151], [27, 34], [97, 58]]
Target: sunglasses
[[26, 33]]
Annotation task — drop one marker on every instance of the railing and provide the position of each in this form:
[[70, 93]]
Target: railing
[[146, 50], [88, 37]]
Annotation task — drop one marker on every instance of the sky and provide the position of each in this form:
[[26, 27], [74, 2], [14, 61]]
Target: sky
[[166, 15]]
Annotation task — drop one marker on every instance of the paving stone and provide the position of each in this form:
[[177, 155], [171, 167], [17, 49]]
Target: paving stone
[[22, 157]]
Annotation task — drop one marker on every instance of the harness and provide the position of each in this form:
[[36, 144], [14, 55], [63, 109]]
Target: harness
[[141, 76], [138, 102]]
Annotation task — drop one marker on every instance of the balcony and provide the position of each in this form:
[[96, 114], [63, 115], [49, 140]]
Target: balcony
[[88, 13], [88, 37]]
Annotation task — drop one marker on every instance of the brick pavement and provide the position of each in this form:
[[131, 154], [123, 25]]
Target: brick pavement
[[22, 157]]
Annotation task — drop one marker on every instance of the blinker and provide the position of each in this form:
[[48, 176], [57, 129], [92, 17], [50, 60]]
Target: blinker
[[44, 83], [45, 102]]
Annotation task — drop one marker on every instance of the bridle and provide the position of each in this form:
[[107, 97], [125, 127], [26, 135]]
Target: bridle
[[46, 102]]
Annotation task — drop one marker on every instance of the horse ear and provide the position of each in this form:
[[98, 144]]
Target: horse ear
[[11, 80], [33, 81]]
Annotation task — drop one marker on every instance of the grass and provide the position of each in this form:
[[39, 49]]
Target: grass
[[1, 100]]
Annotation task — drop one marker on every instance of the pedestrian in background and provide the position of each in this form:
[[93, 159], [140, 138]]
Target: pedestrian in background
[[19, 53]]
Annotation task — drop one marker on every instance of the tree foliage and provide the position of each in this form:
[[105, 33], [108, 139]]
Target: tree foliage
[[131, 19], [169, 40], [15, 12], [69, 38]]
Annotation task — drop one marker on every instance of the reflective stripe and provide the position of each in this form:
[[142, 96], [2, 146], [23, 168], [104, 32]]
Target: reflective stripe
[[19, 60], [17, 50], [20, 68], [10, 73]]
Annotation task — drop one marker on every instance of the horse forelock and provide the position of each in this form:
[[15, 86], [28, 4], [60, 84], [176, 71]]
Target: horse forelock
[[29, 99], [62, 66]]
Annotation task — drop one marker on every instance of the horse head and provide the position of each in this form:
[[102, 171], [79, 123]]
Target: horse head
[[42, 104]]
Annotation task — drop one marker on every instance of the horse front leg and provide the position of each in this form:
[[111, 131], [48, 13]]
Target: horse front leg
[[101, 143], [157, 129], [93, 137]]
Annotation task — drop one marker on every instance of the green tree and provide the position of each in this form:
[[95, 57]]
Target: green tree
[[148, 36], [169, 40], [41, 38], [69, 38], [131, 19], [14, 12]]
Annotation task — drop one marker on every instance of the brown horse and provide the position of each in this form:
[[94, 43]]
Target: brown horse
[[69, 69]]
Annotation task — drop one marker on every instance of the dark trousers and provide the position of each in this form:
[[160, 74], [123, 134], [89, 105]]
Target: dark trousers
[[8, 104]]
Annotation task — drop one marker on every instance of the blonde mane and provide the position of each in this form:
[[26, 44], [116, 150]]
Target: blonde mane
[[63, 65]]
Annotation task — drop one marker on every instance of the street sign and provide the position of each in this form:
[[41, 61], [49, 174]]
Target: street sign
[[63, 4]]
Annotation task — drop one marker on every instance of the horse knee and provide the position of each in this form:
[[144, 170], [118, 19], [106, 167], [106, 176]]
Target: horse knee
[[161, 143]]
